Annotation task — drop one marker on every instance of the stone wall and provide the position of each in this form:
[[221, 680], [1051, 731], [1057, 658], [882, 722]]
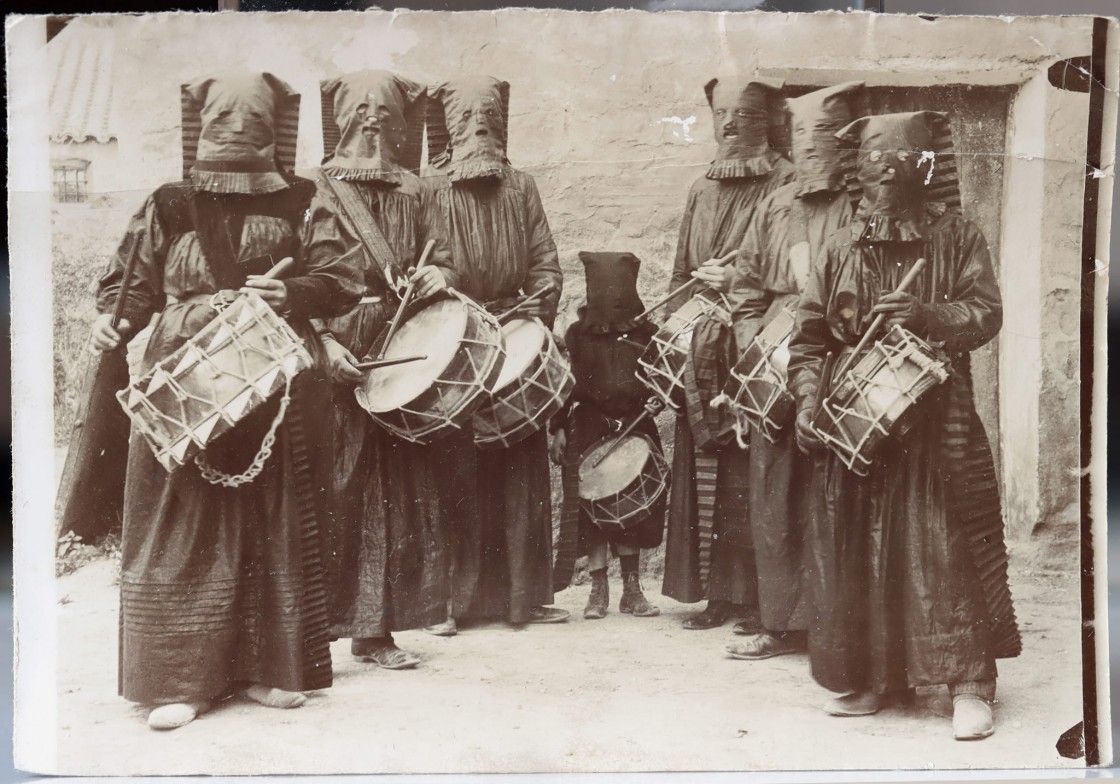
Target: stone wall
[[608, 114]]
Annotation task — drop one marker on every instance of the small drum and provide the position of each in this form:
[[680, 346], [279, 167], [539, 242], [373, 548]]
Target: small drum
[[876, 397], [622, 489], [661, 366], [216, 379], [424, 400], [534, 382], [757, 389]]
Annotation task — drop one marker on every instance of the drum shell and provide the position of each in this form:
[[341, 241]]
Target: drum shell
[[445, 406], [211, 384], [662, 364], [524, 406], [847, 422], [757, 388], [628, 507]]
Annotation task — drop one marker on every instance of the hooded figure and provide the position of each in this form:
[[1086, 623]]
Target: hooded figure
[[604, 345], [772, 268], [221, 587], [934, 606], [498, 503], [708, 551], [388, 570]]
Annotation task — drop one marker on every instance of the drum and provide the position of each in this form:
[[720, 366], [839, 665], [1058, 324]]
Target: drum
[[876, 398], [661, 366], [756, 390], [216, 379], [534, 383], [621, 490], [425, 400]]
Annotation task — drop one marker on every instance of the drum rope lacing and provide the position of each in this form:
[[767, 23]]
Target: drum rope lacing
[[217, 477]]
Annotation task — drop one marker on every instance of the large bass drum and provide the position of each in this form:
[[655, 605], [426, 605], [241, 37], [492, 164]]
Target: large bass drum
[[214, 380], [620, 491], [534, 383], [877, 397], [661, 367], [424, 400]]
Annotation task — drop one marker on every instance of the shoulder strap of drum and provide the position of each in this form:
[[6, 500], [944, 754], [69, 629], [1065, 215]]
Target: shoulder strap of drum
[[364, 226]]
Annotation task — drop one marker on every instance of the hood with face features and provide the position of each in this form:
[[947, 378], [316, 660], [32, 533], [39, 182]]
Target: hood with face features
[[475, 113], [613, 304], [816, 118], [741, 113], [903, 162], [369, 117], [239, 133]]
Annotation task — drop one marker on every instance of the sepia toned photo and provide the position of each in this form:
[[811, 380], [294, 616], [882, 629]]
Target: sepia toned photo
[[553, 391]]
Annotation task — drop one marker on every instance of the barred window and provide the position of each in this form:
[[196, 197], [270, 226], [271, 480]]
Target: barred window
[[70, 180]]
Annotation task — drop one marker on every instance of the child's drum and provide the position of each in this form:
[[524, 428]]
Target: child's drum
[[424, 400], [619, 492], [756, 390], [876, 398], [534, 383], [216, 379], [661, 366]]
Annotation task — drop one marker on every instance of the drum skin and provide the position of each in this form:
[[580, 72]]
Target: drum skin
[[214, 380], [426, 400], [534, 383], [620, 491], [661, 366], [878, 396]]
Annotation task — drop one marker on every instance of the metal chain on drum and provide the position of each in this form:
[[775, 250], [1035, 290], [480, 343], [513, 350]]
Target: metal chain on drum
[[216, 477]]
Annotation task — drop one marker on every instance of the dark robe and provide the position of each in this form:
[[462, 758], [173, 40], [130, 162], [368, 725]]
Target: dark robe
[[606, 397], [499, 502], [709, 469], [387, 566], [908, 565], [221, 586], [772, 266]]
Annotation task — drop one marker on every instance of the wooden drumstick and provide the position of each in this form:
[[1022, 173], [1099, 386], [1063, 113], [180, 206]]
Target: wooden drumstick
[[625, 432], [280, 268], [405, 300], [126, 282], [906, 283], [509, 314], [723, 261], [374, 364]]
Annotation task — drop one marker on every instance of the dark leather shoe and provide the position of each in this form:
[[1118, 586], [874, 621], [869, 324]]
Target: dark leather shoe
[[548, 615], [750, 624], [711, 617]]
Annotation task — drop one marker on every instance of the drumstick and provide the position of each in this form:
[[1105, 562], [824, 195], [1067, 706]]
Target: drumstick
[[126, 282], [509, 314], [625, 432], [878, 322], [407, 298], [721, 262], [373, 364], [280, 269]]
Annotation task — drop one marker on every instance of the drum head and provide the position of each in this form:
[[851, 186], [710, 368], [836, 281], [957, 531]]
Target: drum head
[[524, 343], [621, 467], [435, 332]]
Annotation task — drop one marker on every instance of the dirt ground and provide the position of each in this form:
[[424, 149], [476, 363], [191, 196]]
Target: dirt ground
[[621, 694]]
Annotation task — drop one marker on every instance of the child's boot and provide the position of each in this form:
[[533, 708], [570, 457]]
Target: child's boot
[[633, 601], [600, 596]]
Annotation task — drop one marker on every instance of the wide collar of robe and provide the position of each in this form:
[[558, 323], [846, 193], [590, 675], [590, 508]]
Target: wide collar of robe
[[754, 163]]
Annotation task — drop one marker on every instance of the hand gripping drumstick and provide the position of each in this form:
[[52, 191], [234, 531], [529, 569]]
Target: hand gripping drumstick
[[280, 269], [405, 300], [509, 314], [647, 411], [907, 281], [723, 261]]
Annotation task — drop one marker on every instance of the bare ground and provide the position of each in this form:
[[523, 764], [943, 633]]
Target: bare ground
[[621, 694]]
